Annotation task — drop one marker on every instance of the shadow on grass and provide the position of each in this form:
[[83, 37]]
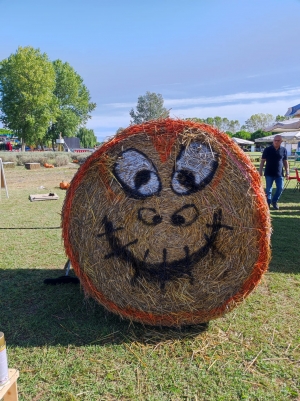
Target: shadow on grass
[[286, 230], [285, 213], [35, 314], [289, 195], [292, 208]]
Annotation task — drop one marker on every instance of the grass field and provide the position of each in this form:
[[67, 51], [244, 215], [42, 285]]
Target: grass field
[[69, 348]]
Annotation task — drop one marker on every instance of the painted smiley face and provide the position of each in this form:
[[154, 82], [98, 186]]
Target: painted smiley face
[[157, 224]]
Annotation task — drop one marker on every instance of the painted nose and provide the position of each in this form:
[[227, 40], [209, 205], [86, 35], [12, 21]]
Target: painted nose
[[185, 216], [149, 216]]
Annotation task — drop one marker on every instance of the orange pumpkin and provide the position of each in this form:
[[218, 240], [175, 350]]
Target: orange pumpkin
[[64, 185], [48, 165]]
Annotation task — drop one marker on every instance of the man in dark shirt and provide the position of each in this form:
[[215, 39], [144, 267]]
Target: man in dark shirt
[[275, 157]]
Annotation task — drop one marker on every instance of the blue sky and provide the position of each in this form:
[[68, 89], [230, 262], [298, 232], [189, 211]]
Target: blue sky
[[231, 58]]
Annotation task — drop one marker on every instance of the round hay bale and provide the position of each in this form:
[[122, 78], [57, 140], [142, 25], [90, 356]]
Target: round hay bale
[[167, 224]]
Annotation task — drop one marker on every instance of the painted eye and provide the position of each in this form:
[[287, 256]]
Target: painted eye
[[194, 169], [137, 174]]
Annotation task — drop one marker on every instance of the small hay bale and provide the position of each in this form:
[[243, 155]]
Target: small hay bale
[[32, 166], [9, 164], [167, 224]]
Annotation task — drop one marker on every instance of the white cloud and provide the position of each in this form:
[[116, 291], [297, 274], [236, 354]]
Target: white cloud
[[241, 97], [120, 105], [237, 106], [235, 111], [115, 119]]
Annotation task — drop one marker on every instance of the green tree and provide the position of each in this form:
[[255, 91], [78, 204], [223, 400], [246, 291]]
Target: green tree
[[243, 135], [258, 122], [87, 137], [149, 107], [259, 134], [27, 81], [233, 126], [281, 118], [73, 99]]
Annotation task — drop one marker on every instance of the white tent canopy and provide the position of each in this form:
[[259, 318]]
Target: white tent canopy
[[240, 141], [287, 137], [291, 125]]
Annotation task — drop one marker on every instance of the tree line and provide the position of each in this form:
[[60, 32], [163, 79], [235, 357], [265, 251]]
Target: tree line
[[151, 106], [40, 99]]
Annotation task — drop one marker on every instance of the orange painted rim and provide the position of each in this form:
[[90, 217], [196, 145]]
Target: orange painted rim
[[175, 127]]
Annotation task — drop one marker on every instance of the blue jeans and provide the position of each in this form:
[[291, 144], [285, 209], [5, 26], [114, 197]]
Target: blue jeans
[[279, 188]]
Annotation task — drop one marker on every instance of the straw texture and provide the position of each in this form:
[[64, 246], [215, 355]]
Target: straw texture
[[167, 224]]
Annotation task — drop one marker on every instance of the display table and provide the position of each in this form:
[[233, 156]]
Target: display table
[[9, 391]]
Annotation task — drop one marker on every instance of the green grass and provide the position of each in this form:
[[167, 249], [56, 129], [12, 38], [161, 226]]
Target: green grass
[[69, 348]]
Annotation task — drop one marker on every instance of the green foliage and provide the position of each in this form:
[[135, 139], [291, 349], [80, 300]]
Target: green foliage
[[223, 124], [258, 122], [281, 118], [4, 131], [55, 158], [243, 135], [27, 81], [149, 107], [61, 160], [87, 137], [259, 134], [39, 99], [73, 99], [7, 156], [20, 158], [80, 157]]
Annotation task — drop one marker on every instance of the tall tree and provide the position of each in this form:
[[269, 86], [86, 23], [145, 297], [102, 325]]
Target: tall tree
[[259, 134], [27, 103], [87, 137], [243, 135], [233, 126], [73, 99], [149, 107], [258, 122]]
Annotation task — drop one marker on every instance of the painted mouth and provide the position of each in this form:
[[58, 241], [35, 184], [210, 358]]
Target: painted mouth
[[164, 271]]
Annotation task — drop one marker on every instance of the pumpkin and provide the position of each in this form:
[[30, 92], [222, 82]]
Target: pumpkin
[[64, 185], [48, 165]]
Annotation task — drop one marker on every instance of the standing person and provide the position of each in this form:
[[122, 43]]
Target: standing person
[[275, 157]]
